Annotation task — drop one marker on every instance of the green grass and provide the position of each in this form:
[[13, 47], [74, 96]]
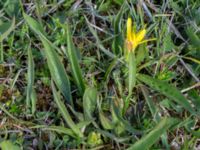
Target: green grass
[[68, 81]]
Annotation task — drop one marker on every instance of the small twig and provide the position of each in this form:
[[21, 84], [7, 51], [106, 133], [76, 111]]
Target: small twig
[[191, 87]]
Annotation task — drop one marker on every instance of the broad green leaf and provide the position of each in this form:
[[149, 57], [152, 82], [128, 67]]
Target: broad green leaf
[[65, 114], [166, 89], [148, 140], [7, 145], [56, 67], [89, 102], [77, 74]]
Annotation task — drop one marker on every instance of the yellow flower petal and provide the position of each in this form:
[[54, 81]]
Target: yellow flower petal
[[129, 29], [133, 35], [140, 36]]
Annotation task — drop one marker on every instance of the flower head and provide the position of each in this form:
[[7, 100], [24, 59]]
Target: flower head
[[134, 39]]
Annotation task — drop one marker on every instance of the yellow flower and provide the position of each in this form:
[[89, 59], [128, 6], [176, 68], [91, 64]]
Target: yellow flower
[[134, 39]]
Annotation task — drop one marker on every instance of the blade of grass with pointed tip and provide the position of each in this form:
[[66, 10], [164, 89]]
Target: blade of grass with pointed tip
[[56, 68], [35, 26], [71, 51], [168, 90], [65, 113], [148, 140]]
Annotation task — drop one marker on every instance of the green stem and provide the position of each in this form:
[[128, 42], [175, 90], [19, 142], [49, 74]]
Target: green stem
[[1, 51], [131, 78]]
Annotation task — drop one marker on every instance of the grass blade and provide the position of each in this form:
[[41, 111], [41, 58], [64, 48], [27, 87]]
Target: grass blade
[[71, 51], [65, 113], [148, 140], [168, 90], [56, 68]]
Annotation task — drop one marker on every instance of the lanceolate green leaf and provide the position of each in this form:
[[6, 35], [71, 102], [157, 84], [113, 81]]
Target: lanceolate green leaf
[[56, 67], [89, 102], [166, 89], [71, 51], [30, 81], [148, 140], [35, 26], [65, 113]]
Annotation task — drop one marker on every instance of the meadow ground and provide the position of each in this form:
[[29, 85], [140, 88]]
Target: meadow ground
[[100, 74]]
